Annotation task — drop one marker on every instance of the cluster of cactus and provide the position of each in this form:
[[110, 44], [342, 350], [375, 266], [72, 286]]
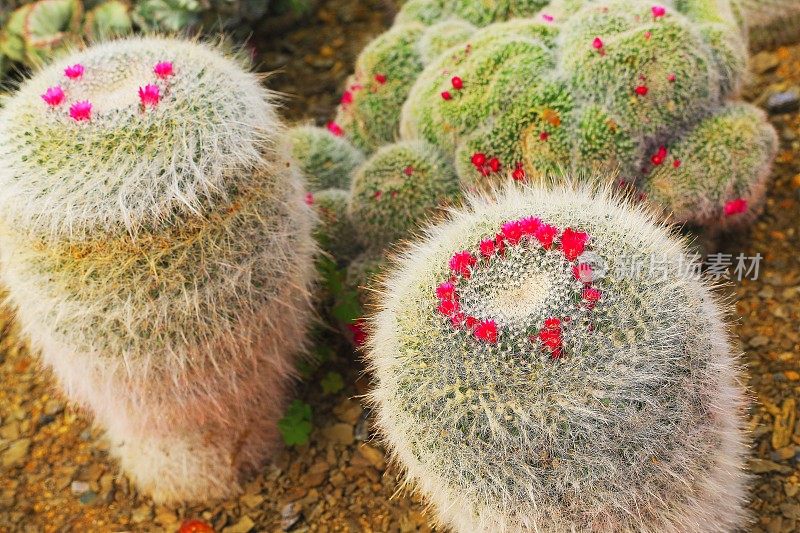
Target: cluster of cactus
[[524, 90], [39, 30], [158, 250], [529, 378]]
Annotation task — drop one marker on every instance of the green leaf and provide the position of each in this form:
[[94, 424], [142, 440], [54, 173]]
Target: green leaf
[[347, 308], [332, 383], [295, 426], [109, 19]]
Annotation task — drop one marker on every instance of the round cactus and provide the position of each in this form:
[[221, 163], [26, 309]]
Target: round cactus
[[443, 36], [525, 389], [478, 13], [325, 159], [370, 110], [158, 249], [362, 275], [716, 175], [334, 232], [397, 189]]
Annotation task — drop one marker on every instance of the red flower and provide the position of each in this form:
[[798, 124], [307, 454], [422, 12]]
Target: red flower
[[676, 163], [658, 11], [53, 96], [591, 296], [74, 72], [512, 231], [582, 272], [81, 110], [163, 69], [647, 35], [671, 77], [380, 78], [408, 170], [195, 526], [545, 234], [500, 243], [448, 307], [573, 243], [377, 195], [519, 173], [347, 98], [486, 330], [358, 331], [544, 136], [461, 262], [550, 335], [552, 322], [335, 129], [494, 164], [457, 82], [149, 95], [446, 95], [597, 43], [736, 207], [478, 159], [529, 225], [446, 291], [659, 156], [457, 319], [309, 198], [470, 322], [488, 247], [641, 90]]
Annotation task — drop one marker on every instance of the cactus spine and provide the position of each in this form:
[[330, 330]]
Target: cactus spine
[[158, 250]]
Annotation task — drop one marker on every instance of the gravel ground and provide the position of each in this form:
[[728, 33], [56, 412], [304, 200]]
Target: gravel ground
[[55, 474]]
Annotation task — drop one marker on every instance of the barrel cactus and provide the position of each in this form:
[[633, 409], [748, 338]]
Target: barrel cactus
[[157, 246], [325, 159], [527, 90], [529, 379]]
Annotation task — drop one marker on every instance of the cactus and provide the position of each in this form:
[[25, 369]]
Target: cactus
[[158, 250], [334, 232], [581, 86], [478, 13], [523, 390], [397, 189], [327, 161], [717, 174], [361, 275]]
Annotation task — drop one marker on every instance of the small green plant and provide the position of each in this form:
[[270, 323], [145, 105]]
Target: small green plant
[[332, 383], [295, 426]]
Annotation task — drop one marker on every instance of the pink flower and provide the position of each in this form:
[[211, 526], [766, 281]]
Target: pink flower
[[659, 156], [529, 225], [671, 77], [74, 72], [380, 78], [597, 43], [448, 307], [461, 263], [446, 95], [457, 319], [641, 90], [81, 110], [545, 234], [488, 247], [347, 98], [658, 11], [470, 322], [457, 82], [486, 330], [583, 272], [335, 129], [409, 170], [377, 195], [519, 173], [164, 69], [647, 35], [149, 95], [309, 198], [446, 291], [53, 96], [736, 207], [591, 296], [547, 18], [573, 243], [512, 231]]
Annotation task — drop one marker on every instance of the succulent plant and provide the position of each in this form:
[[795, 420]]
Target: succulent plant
[[109, 19], [327, 161], [334, 231], [442, 36], [156, 244], [396, 189], [478, 13], [524, 389], [361, 275]]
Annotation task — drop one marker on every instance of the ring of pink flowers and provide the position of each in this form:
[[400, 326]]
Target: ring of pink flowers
[[570, 242]]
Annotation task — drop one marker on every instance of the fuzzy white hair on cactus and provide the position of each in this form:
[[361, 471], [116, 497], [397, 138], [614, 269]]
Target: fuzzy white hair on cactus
[[157, 247], [522, 391]]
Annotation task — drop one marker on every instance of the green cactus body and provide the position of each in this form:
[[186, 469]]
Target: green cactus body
[[158, 250], [326, 161], [604, 144], [362, 274], [443, 36], [397, 189], [489, 67], [656, 74], [385, 71], [522, 391], [721, 170], [479, 13], [334, 232]]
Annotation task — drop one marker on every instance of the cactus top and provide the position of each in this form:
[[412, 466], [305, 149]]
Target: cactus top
[[127, 134]]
